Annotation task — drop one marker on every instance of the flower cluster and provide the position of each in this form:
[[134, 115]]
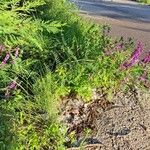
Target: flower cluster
[[146, 58], [5, 59], [134, 57], [114, 47], [10, 87], [7, 56], [13, 83]]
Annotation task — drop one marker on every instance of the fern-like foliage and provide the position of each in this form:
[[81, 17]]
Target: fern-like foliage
[[19, 26]]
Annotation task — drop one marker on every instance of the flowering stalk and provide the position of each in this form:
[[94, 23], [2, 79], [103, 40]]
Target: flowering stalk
[[146, 59], [134, 57], [5, 59], [137, 52], [11, 86], [144, 78], [17, 52]]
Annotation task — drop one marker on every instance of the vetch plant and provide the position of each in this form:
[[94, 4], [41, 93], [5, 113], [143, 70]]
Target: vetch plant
[[146, 59], [17, 52], [134, 57], [12, 86], [144, 79], [8, 54], [5, 59]]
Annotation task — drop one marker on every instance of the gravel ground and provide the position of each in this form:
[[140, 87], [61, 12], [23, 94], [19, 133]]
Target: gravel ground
[[127, 127], [123, 124]]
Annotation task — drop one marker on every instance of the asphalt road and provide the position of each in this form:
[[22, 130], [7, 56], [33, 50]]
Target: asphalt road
[[127, 18]]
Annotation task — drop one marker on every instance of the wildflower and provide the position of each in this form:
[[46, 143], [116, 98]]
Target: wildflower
[[17, 52], [146, 59], [12, 85], [134, 57], [144, 78], [5, 59], [137, 52], [125, 65]]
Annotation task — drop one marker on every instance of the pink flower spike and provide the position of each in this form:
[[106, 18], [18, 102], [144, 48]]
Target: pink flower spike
[[125, 65], [146, 59], [12, 85], [17, 52], [134, 56], [137, 52], [6, 59]]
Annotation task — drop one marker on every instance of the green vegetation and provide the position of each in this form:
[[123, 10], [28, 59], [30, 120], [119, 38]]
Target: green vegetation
[[144, 1], [46, 52]]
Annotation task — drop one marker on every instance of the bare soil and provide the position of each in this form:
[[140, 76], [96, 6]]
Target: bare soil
[[123, 124]]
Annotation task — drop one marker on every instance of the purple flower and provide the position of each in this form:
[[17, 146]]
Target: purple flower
[[5, 59], [134, 57], [125, 65], [12, 85], [17, 52], [146, 58], [137, 52], [144, 79]]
